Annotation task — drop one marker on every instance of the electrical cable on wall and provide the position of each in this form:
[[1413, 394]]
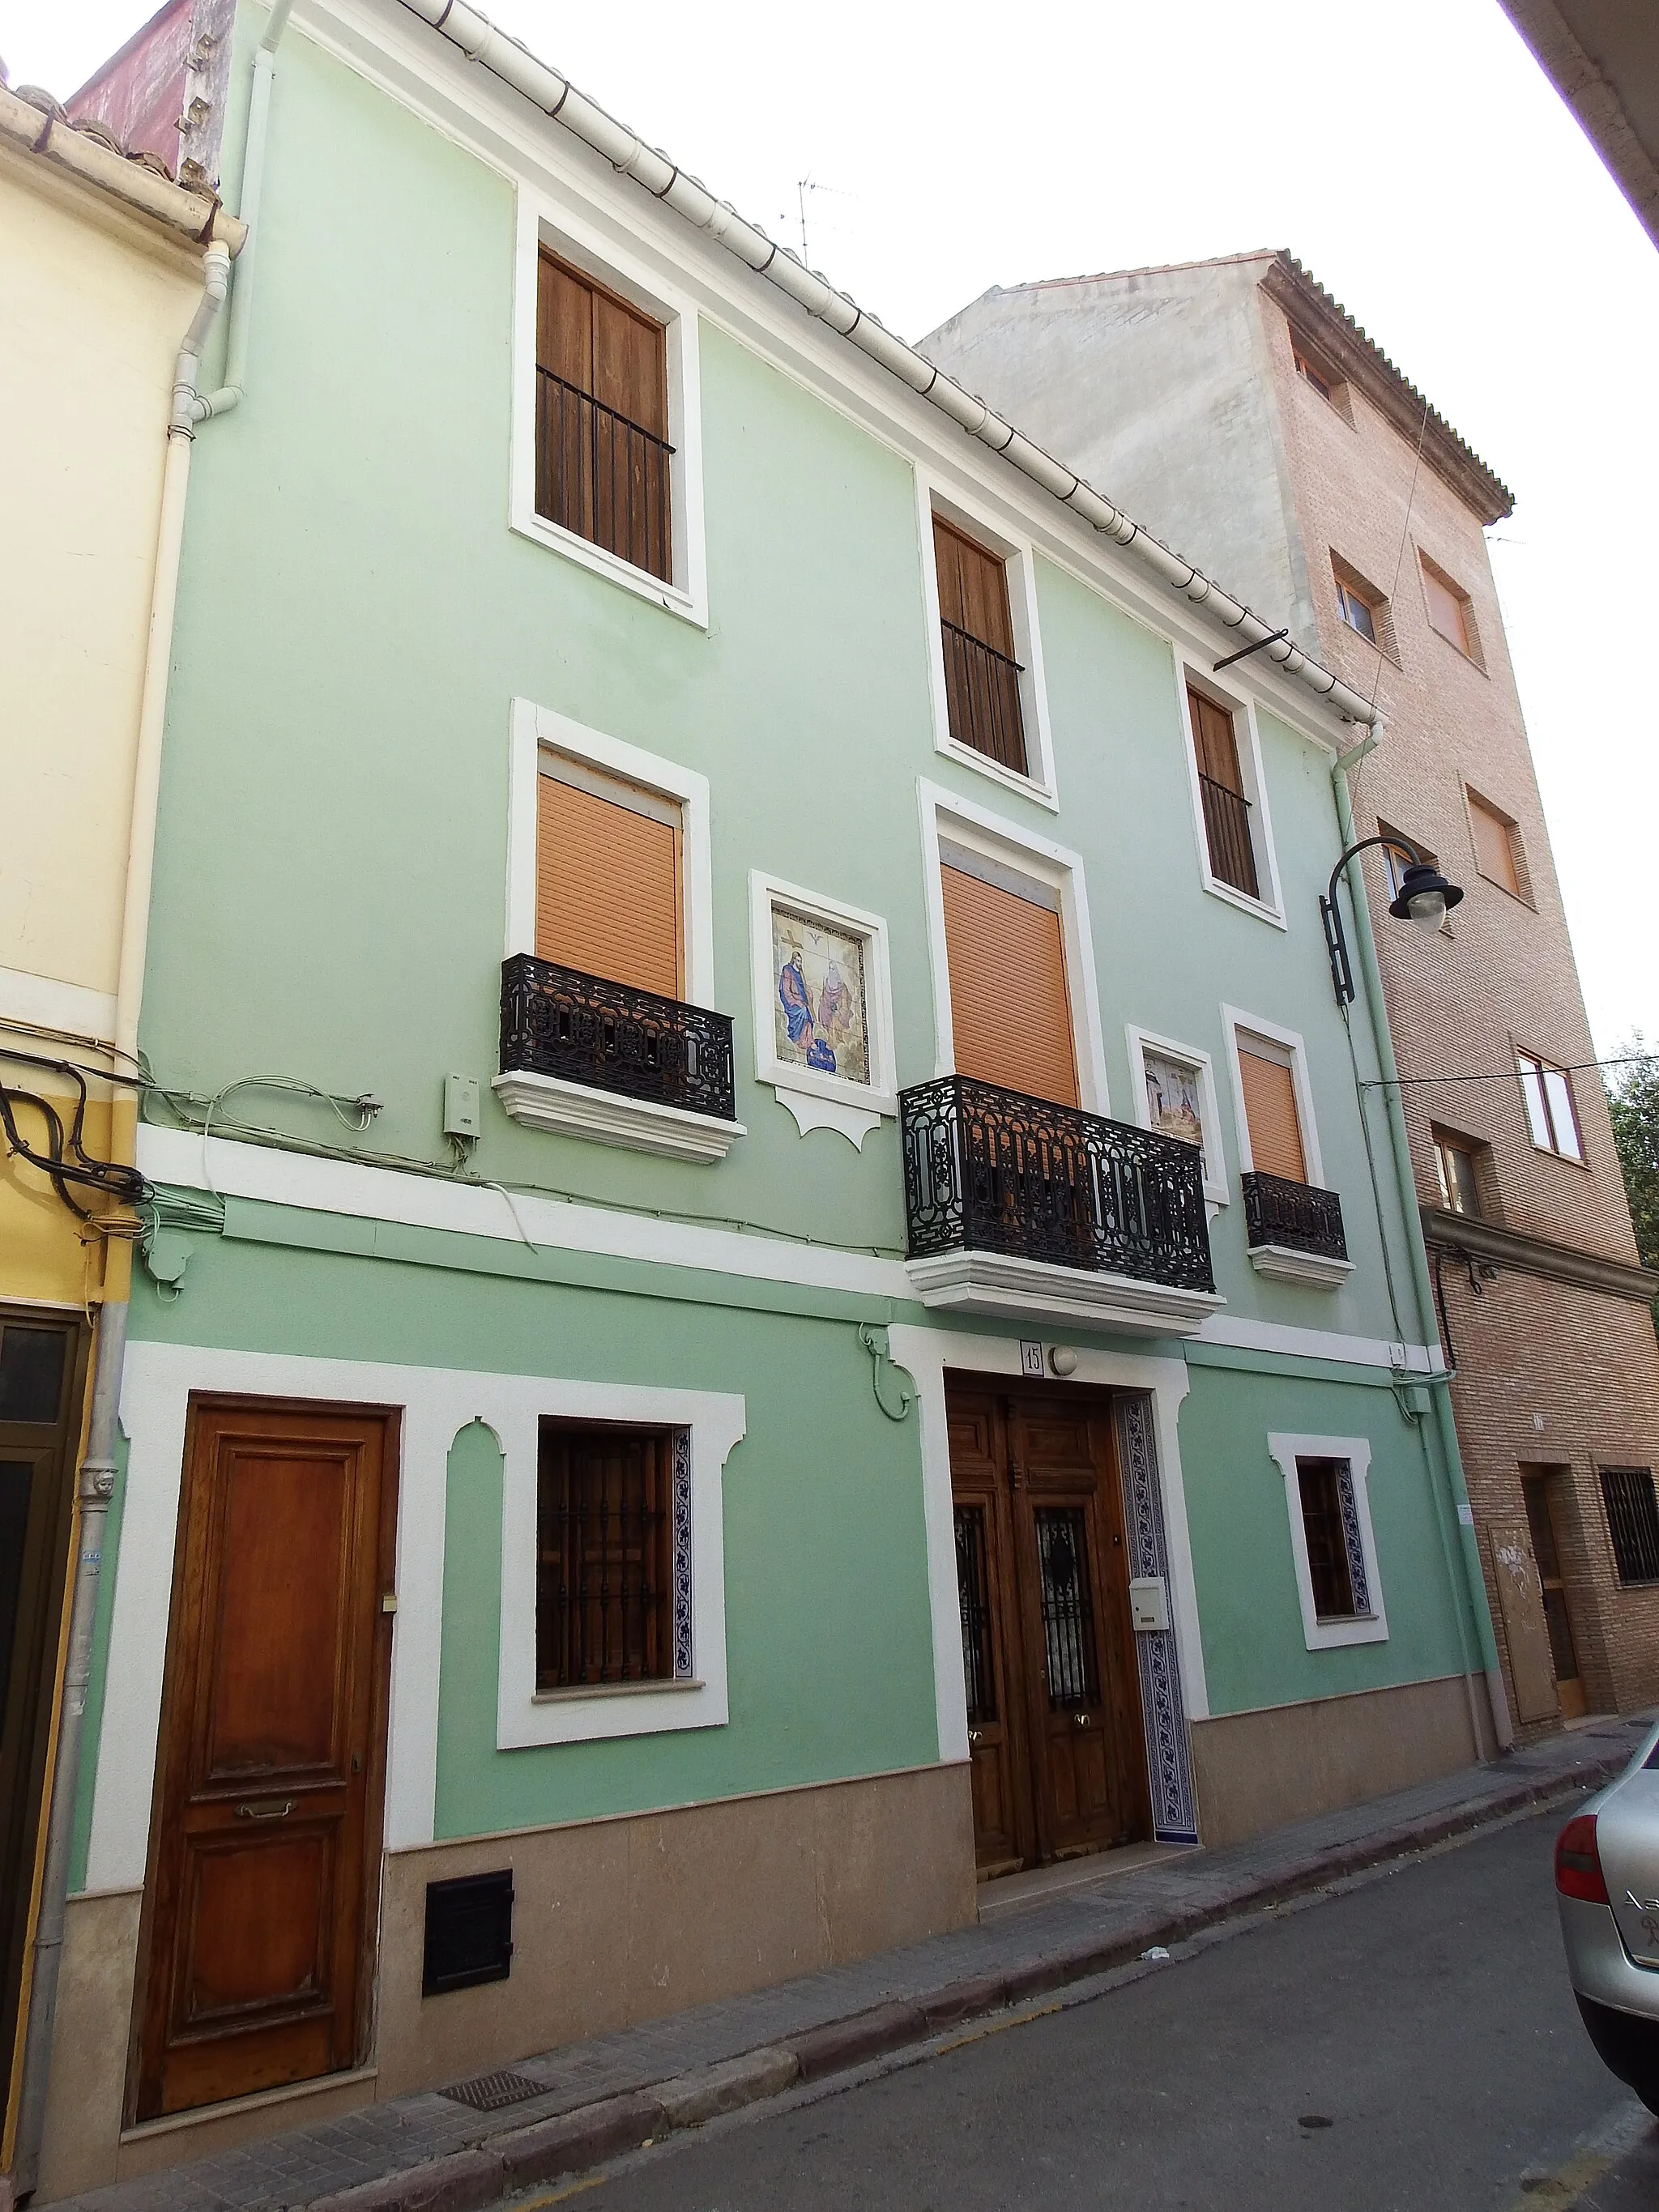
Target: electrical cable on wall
[[66, 1162]]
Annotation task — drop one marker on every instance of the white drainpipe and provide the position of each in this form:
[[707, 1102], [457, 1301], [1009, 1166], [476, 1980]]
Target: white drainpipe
[[97, 1476], [478, 39]]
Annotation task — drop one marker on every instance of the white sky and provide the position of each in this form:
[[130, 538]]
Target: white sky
[[1414, 158]]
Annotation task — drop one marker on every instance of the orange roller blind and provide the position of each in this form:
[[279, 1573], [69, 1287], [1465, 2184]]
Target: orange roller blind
[[1270, 1110], [1009, 1004], [1494, 850], [607, 890]]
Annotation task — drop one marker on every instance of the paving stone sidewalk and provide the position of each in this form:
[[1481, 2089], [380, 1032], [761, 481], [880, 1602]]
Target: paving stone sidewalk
[[433, 2153]]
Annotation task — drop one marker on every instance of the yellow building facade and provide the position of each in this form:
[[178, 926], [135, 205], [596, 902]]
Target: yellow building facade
[[103, 257]]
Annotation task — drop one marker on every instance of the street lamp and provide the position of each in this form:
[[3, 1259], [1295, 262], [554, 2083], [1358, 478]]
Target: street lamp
[[1424, 897]]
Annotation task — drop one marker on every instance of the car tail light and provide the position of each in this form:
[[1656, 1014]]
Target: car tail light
[[1578, 1863]]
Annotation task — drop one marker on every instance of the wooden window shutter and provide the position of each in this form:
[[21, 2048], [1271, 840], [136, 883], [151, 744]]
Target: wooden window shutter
[[601, 456], [1494, 847], [608, 893], [1270, 1112], [1446, 611], [1010, 1008], [1217, 742], [982, 676]]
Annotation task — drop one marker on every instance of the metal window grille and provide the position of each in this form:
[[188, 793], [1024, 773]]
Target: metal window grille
[[613, 1582], [982, 693], [602, 476], [1068, 1610], [973, 1594], [1632, 1521], [1336, 1553], [1227, 833]]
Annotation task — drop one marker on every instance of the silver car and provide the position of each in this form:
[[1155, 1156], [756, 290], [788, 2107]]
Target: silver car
[[1607, 1885]]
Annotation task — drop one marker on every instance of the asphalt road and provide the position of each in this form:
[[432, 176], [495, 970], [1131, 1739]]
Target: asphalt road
[[1408, 2046]]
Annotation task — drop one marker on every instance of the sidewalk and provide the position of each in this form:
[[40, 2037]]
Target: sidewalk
[[572, 2108]]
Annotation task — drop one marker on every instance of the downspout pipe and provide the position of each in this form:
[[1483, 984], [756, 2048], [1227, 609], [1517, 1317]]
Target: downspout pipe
[[96, 1483], [229, 393], [471, 31], [1457, 1540]]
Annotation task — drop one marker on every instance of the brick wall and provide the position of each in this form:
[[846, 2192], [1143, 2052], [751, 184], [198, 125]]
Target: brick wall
[[1501, 975]]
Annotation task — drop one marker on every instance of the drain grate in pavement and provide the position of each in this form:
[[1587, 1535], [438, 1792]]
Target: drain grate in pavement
[[489, 2092]]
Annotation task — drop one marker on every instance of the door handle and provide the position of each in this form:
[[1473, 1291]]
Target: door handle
[[267, 1808], [975, 1735], [1080, 1720]]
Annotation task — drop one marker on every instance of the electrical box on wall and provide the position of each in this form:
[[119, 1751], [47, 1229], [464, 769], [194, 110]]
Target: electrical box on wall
[[461, 1106], [1149, 1602]]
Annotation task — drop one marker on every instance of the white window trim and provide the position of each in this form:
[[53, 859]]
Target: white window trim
[[819, 1100], [538, 729], [1247, 736], [1017, 553], [1139, 1041], [545, 1102], [523, 1718], [1057, 867], [541, 221], [1233, 1019], [1332, 1635]]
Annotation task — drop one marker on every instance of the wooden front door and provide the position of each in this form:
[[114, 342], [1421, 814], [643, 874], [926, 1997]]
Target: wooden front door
[[267, 1831], [1053, 1723]]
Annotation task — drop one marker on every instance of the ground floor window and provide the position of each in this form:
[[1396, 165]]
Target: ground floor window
[[613, 1577], [1632, 1521], [1333, 1546], [1330, 1523]]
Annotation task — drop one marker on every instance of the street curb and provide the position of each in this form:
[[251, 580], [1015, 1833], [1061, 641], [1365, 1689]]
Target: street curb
[[574, 2141]]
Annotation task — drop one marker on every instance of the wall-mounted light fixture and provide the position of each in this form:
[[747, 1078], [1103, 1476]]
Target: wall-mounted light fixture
[[1424, 897]]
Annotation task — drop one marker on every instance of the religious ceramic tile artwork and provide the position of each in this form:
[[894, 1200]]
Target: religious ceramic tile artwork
[[821, 1015], [1174, 1098]]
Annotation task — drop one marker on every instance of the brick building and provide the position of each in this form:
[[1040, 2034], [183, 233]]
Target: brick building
[[1237, 406]]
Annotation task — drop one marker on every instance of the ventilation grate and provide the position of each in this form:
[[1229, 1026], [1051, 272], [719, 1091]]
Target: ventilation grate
[[489, 2092]]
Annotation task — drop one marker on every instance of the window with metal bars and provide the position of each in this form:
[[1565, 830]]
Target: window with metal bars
[[974, 1593], [1068, 1608], [603, 458], [1632, 1512], [1330, 1526], [612, 1566], [976, 629], [1227, 831]]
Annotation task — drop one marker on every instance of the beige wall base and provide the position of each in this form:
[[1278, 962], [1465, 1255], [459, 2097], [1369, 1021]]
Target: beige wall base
[[615, 1921], [1256, 1770], [89, 2046]]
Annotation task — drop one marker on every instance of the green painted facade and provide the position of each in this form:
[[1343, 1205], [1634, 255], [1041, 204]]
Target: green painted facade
[[355, 618]]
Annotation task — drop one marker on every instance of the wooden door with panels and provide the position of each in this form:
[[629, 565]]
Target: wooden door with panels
[[263, 1889], [1058, 1758]]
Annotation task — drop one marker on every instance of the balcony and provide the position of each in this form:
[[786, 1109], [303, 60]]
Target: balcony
[[619, 1065], [1295, 1232], [1026, 1210]]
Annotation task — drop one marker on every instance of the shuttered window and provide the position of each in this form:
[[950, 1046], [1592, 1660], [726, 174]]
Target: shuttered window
[[602, 450], [1010, 1008], [981, 676], [608, 890], [1448, 610], [1221, 787], [1494, 847], [1270, 1112]]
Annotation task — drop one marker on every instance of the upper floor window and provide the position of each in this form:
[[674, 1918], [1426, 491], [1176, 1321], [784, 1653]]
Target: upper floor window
[[1496, 845], [603, 458], [981, 674], [1011, 1001], [1454, 1162], [1552, 1116], [1395, 859], [610, 893], [1318, 371], [1266, 1076], [1227, 828], [1359, 609], [1451, 612]]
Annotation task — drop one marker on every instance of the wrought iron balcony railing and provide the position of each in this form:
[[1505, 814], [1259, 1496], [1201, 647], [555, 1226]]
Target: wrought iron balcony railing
[[989, 1170], [1294, 1215], [556, 1021], [1227, 832], [981, 697], [602, 476]]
